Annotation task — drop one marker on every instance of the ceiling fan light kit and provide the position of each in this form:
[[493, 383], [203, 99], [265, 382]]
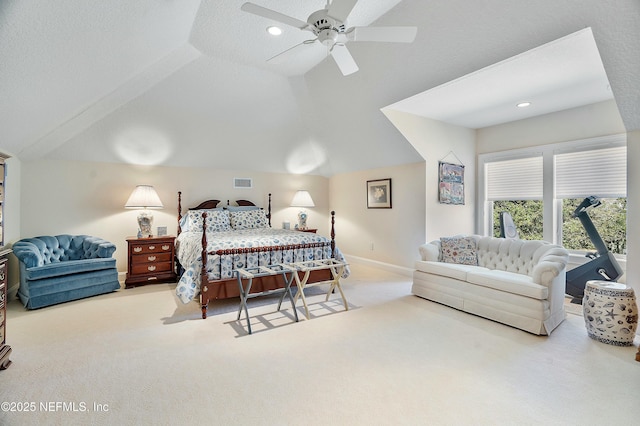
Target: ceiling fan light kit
[[328, 25]]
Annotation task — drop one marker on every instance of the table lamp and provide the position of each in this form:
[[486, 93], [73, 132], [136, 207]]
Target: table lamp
[[302, 199], [144, 197]]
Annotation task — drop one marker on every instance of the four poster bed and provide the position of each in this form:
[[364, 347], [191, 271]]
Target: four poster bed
[[215, 239]]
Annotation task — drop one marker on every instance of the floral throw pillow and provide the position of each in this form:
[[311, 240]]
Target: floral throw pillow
[[249, 219], [460, 250], [217, 220]]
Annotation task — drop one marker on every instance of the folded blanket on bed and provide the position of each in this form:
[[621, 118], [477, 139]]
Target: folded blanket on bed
[[189, 252]]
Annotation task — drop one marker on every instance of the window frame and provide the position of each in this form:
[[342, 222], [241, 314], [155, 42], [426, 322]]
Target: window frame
[[552, 207]]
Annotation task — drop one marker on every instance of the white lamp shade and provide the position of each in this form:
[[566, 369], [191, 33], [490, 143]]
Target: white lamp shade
[[144, 197], [302, 199]]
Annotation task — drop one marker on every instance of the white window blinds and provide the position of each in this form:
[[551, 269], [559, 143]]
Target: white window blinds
[[599, 172], [519, 179]]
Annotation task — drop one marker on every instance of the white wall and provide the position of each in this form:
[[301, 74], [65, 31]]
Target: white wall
[[437, 141], [586, 122], [88, 198], [389, 236]]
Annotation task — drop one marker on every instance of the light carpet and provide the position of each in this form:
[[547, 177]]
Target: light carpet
[[139, 357]]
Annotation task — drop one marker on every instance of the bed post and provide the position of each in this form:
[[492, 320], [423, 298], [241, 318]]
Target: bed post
[[269, 210], [179, 211], [204, 296], [333, 234]]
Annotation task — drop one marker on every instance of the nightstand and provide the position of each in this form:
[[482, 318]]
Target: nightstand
[[308, 230], [150, 260]]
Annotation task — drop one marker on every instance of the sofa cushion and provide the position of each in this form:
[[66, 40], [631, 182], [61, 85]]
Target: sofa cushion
[[510, 282], [452, 270], [460, 250], [68, 267]]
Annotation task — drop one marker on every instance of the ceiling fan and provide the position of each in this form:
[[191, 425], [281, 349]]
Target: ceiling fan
[[328, 26]]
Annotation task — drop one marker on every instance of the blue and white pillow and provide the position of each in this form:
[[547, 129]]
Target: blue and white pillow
[[248, 219], [217, 220]]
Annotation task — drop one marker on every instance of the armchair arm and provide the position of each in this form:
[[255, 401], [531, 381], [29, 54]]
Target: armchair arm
[[28, 253], [550, 265], [95, 247]]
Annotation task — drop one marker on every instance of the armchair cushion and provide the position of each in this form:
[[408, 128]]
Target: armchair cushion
[[68, 267]]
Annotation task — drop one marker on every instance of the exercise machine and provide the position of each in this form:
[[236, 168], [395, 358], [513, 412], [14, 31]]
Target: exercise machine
[[603, 265], [507, 226]]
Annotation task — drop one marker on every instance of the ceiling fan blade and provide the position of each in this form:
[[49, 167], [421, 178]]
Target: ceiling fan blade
[[343, 59], [273, 15], [340, 9], [290, 52], [383, 34]]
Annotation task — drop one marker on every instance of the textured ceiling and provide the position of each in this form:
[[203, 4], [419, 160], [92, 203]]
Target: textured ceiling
[[185, 83]]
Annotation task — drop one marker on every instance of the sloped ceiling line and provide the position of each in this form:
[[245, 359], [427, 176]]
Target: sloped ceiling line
[[119, 97]]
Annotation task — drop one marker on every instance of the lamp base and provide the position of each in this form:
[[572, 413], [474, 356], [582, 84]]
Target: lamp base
[[145, 220], [302, 220]]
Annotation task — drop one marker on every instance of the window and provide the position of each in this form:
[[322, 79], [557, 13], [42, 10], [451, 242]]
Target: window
[[609, 218], [516, 186], [542, 186], [600, 172], [526, 214]]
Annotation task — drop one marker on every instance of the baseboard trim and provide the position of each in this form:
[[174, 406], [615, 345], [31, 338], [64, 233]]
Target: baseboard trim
[[401, 270]]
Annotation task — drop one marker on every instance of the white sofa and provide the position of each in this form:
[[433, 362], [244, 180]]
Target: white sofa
[[516, 282]]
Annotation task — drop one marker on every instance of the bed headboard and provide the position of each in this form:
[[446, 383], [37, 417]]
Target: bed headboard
[[209, 204], [212, 204]]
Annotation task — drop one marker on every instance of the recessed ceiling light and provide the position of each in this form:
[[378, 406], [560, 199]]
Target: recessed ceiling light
[[523, 104], [274, 31]]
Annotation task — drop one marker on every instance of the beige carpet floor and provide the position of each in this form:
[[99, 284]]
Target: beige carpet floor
[[138, 357]]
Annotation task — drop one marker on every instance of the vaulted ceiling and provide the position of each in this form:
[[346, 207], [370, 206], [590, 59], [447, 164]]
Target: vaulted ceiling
[[186, 83]]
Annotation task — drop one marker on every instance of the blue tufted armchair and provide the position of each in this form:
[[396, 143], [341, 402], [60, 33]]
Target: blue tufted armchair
[[56, 269]]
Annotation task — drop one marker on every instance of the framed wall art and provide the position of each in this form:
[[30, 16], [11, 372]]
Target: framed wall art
[[450, 183], [379, 194]]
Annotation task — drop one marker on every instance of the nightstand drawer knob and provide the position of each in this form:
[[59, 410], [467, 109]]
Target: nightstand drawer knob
[[151, 258], [151, 268], [152, 247], [137, 249], [166, 247]]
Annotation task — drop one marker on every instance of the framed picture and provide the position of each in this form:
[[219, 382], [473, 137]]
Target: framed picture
[[379, 194], [450, 183]]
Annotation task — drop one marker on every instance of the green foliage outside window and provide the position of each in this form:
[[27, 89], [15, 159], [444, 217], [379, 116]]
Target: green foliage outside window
[[527, 216], [609, 218]]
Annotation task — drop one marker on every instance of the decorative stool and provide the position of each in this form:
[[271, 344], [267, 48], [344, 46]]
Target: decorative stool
[[610, 312]]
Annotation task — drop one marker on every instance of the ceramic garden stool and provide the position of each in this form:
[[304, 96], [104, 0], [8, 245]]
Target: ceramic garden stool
[[610, 312]]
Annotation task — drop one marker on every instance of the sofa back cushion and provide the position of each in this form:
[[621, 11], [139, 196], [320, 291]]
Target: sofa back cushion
[[44, 250], [519, 256]]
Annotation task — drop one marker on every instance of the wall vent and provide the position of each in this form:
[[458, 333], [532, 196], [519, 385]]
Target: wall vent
[[244, 183]]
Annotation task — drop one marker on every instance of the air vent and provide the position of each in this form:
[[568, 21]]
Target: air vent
[[244, 183]]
